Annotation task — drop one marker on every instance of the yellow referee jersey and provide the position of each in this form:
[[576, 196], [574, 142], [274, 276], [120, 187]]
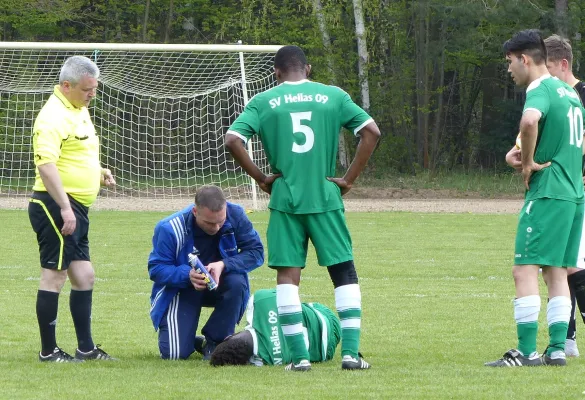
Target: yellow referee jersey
[[65, 135]]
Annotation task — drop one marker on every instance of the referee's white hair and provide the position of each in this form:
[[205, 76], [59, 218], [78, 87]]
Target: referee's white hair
[[76, 67]]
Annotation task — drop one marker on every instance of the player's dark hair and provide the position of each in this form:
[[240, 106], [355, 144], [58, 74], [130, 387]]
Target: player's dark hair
[[210, 197], [290, 58], [236, 350], [558, 48], [528, 42]]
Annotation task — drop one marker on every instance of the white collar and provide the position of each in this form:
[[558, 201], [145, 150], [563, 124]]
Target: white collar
[[296, 82], [535, 83]]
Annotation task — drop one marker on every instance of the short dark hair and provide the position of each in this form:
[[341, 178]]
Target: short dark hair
[[235, 350], [529, 42], [210, 197], [290, 58], [558, 48]]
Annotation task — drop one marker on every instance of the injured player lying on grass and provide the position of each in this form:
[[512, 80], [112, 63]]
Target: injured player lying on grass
[[261, 343]]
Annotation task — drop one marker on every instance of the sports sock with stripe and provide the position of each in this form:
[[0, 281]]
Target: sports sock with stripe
[[526, 310], [348, 302], [290, 318], [558, 313]]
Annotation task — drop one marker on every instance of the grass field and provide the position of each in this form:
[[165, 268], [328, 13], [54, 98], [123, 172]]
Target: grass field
[[486, 184], [436, 291]]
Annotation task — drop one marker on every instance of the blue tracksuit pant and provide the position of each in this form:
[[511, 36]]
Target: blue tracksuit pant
[[176, 335]]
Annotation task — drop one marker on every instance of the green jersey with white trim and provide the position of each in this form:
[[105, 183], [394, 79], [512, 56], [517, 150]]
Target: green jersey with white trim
[[560, 140], [298, 124], [321, 329]]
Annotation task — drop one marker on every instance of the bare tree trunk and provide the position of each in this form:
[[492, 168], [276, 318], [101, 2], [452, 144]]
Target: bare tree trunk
[[491, 114], [118, 25], [383, 40], [439, 111], [169, 21], [318, 8], [422, 84], [145, 22], [360, 33], [561, 8], [426, 98]]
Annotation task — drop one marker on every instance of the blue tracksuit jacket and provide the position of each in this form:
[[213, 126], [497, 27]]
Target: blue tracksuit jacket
[[236, 243]]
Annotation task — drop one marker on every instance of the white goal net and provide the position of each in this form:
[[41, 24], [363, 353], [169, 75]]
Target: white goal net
[[161, 112]]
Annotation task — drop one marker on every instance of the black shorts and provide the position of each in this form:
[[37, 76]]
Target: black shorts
[[57, 251]]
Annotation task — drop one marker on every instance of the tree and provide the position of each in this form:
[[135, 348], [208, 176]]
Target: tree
[[145, 22], [421, 35], [561, 7], [169, 21], [362, 50], [318, 10]]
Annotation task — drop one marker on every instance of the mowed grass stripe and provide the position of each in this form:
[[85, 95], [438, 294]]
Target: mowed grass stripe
[[436, 288]]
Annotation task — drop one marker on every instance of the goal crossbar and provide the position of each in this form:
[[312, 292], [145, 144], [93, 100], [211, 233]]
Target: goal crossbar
[[222, 48], [161, 112]]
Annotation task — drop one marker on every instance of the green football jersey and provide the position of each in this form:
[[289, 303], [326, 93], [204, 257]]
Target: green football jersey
[[321, 329], [560, 140], [298, 124]]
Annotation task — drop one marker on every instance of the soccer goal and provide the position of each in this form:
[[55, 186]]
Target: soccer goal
[[161, 113]]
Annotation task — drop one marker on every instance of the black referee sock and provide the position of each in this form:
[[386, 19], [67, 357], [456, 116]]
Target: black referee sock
[[577, 286], [572, 329], [47, 307], [80, 306]]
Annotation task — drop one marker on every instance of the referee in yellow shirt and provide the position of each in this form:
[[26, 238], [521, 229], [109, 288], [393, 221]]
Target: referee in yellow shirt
[[67, 182]]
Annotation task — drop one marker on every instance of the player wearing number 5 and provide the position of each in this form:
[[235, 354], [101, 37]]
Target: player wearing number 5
[[550, 223], [298, 123]]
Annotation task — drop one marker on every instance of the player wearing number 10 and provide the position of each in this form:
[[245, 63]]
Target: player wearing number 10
[[550, 223], [298, 123]]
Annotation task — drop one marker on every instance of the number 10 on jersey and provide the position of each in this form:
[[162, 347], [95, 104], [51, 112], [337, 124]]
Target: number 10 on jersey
[[576, 126]]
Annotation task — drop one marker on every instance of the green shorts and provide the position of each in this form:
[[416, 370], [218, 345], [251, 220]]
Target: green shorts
[[288, 237], [549, 233]]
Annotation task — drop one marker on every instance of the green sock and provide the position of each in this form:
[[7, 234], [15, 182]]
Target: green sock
[[527, 337], [350, 331], [292, 329], [557, 333]]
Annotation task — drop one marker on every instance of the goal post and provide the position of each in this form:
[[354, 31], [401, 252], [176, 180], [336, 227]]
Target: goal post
[[161, 113]]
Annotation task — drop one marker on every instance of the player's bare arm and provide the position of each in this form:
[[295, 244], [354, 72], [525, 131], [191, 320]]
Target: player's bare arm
[[236, 147], [529, 129], [52, 181], [513, 158], [369, 138]]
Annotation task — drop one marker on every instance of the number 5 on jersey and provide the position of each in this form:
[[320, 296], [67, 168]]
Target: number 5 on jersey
[[299, 127], [576, 126]]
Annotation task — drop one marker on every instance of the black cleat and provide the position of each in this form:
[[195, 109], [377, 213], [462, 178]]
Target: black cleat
[[95, 354], [208, 349], [200, 343], [556, 358], [513, 358], [349, 363], [58, 356], [303, 365]]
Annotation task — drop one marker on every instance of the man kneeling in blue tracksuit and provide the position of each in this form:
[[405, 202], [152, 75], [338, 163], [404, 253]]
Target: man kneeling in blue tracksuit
[[228, 247]]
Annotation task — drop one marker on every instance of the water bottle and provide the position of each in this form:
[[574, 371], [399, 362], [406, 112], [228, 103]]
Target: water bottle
[[200, 269]]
